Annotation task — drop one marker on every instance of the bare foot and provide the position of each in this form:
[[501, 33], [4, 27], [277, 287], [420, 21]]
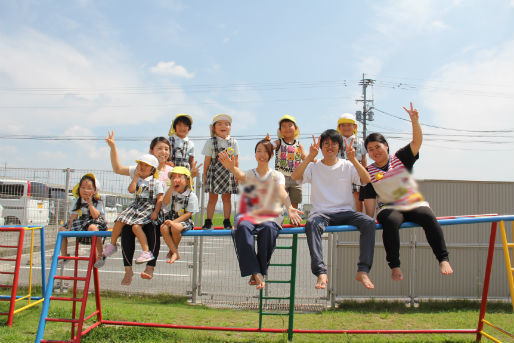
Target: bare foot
[[252, 281], [363, 278], [174, 257], [446, 269], [259, 281], [148, 273], [396, 274], [322, 281], [127, 279]]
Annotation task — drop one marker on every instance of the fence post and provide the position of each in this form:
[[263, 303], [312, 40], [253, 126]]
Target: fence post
[[68, 172], [199, 217], [412, 277]]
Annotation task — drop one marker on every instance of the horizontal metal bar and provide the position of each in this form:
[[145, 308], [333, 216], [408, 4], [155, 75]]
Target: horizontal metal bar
[[64, 320], [7, 273], [278, 281], [277, 298], [8, 259], [8, 246], [65, 299], [280, 265], [69, 278], [284, 247], [275, 313]]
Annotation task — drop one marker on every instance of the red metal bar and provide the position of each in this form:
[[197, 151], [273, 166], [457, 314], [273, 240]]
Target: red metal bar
[[487, 278], [8, 246], [21, 231], [94, 325], [53, 341], [74, 258], [64, 320], [69, 278], [8, 259], [220, 328], [65, 298], [6, 272], [96, 281], [75, 274], [6, 286]]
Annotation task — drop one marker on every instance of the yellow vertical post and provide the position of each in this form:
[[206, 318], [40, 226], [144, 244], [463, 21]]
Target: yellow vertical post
[[508, 264]]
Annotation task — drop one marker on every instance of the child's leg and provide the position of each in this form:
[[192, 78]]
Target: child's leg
[[64, 244], [227, 206], [116, 232], [99, 247], [141, 237], [358, 203], [211, 205], [176, 235], [166, 235]]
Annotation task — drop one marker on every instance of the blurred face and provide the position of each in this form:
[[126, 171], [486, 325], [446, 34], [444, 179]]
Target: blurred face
[[287, 129], [378, 153], [261, 155], [145, 169], [347, 129], [179, 182], [222, 128], [329, 148], [86, 189], [181, 129], [161, 150]]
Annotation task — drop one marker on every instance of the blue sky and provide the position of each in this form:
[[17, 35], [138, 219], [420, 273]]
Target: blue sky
[[79, 68]]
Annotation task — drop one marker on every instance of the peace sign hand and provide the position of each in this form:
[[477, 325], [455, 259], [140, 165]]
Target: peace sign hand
[[314, 149], [413, 112], [110, 139], [350, 151]]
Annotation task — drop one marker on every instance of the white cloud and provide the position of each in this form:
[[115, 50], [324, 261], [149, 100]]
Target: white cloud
[[50, 81], [171, 68], [439, 25]]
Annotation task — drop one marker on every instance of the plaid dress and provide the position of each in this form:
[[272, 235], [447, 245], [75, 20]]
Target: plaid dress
[[139, 211], [219, 179], [179, 156], [84, 219], [178, 208]]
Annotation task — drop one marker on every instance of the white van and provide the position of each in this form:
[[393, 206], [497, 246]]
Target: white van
[[24, 202]]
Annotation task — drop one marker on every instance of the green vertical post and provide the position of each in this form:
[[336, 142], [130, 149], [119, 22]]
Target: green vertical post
[[292, 286], [260, 309]]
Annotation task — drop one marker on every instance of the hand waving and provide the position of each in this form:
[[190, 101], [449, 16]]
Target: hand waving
[[413, 112], [110, 139], [226, 160]]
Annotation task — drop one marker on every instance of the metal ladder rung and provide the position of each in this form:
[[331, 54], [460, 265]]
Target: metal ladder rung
[[65, 298], [5, 286], [7, 273], [8, 246], [69, 278], [278, 281], [276, 298], [8, 259], [280, 265], [510, 245]]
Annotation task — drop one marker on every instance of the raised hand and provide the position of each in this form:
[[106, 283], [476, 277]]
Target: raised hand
[[413, 112], [226, 160], [110, 139], [350, 151], [314, 149], [268, 138], [195, 167]]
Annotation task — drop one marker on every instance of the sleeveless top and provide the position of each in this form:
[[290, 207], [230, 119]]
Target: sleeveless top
[[179, 156], [287, 157]]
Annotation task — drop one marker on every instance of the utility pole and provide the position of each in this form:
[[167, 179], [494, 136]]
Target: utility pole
[[366, 114]]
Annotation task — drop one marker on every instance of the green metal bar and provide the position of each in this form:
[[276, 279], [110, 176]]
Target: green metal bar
[[278, 281], [283, 247], [292, 290], [276, 298], [275, 313], [280, 265], [260, 309]]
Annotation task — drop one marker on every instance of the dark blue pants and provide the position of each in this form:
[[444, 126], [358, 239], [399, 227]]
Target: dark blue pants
[[244, 243]]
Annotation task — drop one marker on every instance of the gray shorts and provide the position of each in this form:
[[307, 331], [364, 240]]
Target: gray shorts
[[294, 190]]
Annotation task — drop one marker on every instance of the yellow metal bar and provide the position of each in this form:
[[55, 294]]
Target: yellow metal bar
[[497, 328], [490, 337], [29, 305], [507, 261], [32, 228], [21, 298]]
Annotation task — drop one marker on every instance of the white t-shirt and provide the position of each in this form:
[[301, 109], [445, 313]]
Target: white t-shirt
[[331, 186]]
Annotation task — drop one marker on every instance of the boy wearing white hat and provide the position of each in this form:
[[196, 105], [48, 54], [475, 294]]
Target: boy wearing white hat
[[146, 207], [347, 127]]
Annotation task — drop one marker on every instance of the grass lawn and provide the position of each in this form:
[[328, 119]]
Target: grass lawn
[[176, 310]]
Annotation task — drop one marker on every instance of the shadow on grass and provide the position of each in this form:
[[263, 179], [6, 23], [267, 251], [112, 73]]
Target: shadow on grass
[[428, 306]]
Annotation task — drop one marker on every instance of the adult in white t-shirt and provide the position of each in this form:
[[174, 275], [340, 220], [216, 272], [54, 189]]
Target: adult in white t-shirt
[[331, 182]]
